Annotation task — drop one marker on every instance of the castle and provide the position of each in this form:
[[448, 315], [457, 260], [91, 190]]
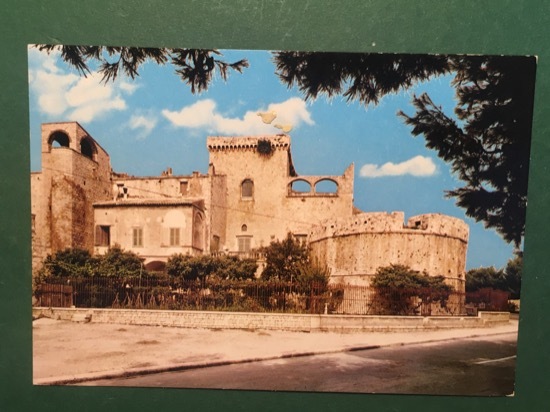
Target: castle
[[250, 197]]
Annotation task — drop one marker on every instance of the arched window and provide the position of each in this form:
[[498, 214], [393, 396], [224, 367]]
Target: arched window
[[299, 187], [58, 139], [247, 189], [155, 266], [87, 148], [326, 186]]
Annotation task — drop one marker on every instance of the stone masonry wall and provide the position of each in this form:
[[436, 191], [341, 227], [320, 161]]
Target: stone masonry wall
[[356, 247], [273, 321], [273, 210]]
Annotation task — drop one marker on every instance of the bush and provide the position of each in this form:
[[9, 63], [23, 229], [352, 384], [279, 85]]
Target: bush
[[185, 267], [401, 290], [285, 259], [119, 263]]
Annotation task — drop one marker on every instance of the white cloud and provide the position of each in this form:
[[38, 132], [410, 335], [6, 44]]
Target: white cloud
[[143, 124], [418, 166], [204, 115], [63, 95]]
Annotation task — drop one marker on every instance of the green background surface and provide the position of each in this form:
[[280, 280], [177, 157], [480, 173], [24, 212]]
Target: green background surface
[[512, 27]]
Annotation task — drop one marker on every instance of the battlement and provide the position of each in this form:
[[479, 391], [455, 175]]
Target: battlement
[[280, 142], [382, 222]]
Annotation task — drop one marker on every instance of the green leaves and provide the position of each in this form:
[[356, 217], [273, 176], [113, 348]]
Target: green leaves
[[403, 277], [284, 259], [79, 263], [489, 151], [195, 67], [487, 143], [507, 279], [188, 267]]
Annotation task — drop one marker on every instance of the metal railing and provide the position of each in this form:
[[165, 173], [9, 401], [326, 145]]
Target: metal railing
[[255, 296]]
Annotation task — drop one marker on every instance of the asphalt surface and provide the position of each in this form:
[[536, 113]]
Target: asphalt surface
[[72, 353], [483, 366]]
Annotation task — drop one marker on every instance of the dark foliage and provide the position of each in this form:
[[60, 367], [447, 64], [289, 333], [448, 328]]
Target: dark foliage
[[356, 76], [285, 259], [401, 290], [117, 262], [185, 267], [488, 142], [265, 148], [79, 263], [507, 279], [195, 67]]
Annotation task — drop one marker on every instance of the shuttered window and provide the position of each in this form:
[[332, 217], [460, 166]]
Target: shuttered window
[[137, 237], [103, 236], [174, 236]]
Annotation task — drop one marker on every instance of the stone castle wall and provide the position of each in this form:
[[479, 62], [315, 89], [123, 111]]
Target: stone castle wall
[[77, 190], [64, 192], [273, 210], [354, 248]]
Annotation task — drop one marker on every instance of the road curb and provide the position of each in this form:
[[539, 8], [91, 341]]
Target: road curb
[[128, 373]]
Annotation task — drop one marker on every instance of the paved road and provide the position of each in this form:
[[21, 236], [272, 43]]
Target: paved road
[[478, 366]]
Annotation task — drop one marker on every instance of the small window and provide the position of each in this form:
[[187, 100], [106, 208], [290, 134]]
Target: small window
[[59, 139], [301, 238], [244, 228], [244, 243], [86, 148], [103, 236], [184, 187], [137, 237], [174, 236], [247, 189], [215, 244]]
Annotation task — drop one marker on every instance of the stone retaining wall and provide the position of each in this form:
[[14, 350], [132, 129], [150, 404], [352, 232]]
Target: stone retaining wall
[[272, 321]]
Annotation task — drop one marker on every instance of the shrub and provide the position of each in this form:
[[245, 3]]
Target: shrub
[[401, 290], [185, 267], [284, 259]]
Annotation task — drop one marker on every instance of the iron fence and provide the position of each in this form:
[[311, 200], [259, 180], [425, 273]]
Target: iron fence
[[250, 296]]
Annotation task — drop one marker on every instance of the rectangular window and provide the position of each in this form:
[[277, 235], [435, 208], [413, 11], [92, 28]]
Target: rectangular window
[[183, 187], [301, 238], [103, 236], [247, 189], [215, 244], [137, 237], [174, 236], [244, 243]]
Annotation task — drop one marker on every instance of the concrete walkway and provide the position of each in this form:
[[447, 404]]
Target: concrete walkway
[[67, 352]]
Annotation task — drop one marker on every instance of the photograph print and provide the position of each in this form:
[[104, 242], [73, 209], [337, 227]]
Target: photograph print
[[278, 220]]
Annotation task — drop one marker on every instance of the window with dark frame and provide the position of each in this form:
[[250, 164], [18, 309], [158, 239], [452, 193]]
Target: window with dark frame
[[103, 235], [247, 189], [184, 187]]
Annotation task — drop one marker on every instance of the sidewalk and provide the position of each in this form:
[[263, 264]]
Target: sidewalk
[[69, 352]]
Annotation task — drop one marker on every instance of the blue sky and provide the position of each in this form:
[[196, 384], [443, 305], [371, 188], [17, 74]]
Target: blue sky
[[154, 122]]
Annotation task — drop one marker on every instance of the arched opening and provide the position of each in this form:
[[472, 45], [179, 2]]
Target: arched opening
[[87, 148], [300, 186], [155, 266], [58, 139], [247, 189], [326, 186]]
